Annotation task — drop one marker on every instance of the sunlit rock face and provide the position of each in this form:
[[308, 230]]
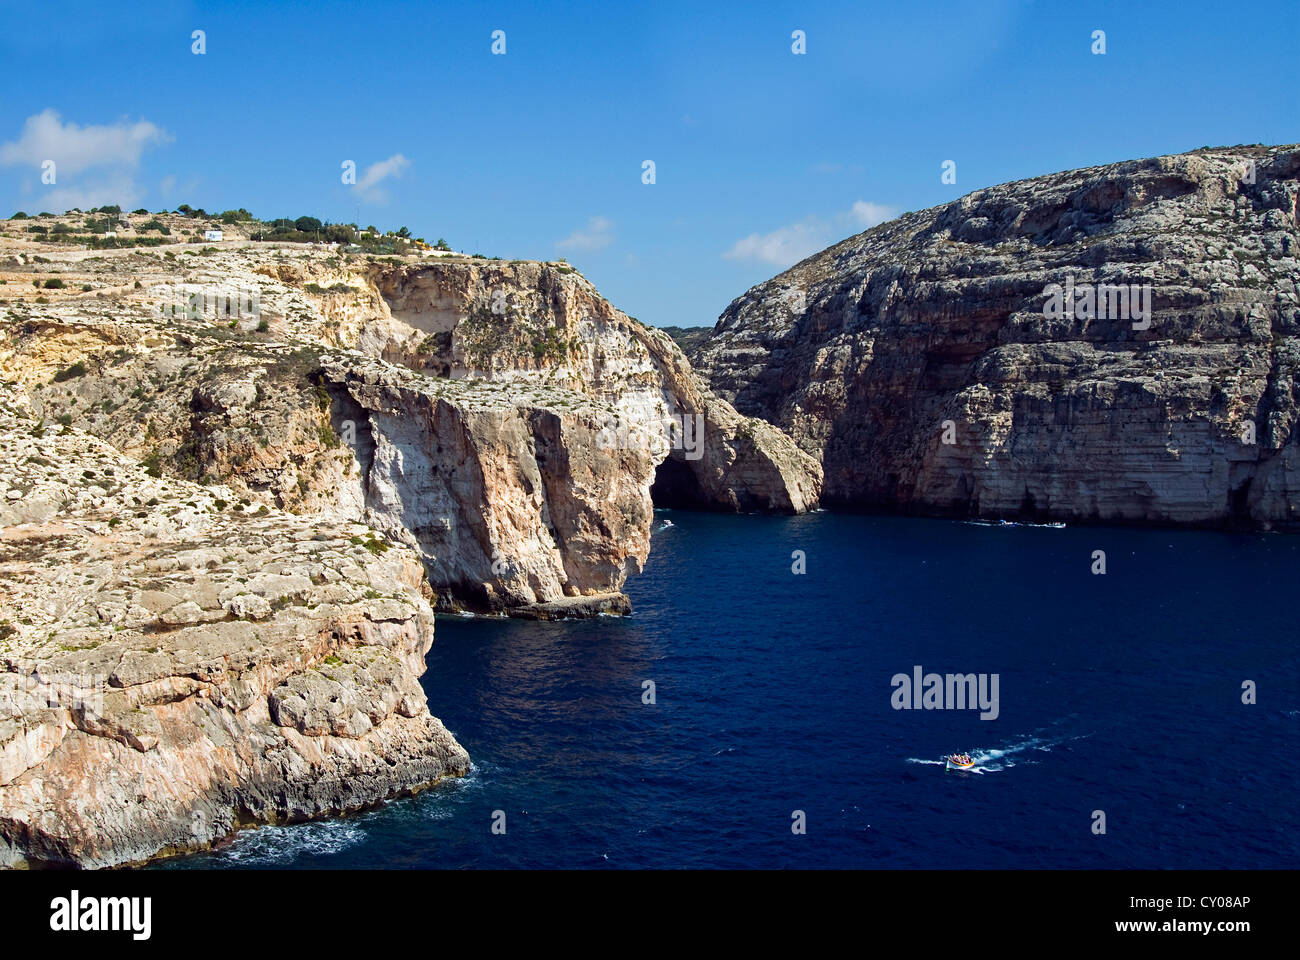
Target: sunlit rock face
[[174, 665], [931, 365], [500, 418]]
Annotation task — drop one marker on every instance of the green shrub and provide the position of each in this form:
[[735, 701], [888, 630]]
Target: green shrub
[[78, 369], [153, 464], [54, 283]]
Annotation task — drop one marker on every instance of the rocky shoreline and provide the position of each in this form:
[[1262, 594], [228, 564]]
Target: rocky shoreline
[[225, 535], [175, 666]]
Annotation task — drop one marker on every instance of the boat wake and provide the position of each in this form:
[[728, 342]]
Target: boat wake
[[997, 759], [1015, 523]]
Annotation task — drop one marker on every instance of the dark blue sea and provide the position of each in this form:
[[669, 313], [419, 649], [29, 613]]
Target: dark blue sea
[[1119, 693]]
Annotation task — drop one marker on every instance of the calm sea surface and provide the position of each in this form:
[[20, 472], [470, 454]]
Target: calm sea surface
[[1120, 693]]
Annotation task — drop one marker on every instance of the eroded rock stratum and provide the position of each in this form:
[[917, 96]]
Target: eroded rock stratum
[[501, 418], [175, 664], [862, 352], [239, 480]]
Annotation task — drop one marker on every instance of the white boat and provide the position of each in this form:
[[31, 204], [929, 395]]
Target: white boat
[[959, 761]]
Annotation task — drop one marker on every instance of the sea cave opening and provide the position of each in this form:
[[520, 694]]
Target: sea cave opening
[[675, 486]]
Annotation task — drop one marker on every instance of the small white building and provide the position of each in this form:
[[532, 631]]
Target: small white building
[[212, 235], [110, 233]]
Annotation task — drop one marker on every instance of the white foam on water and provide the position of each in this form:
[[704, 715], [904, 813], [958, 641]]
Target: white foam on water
[[288, 844], [997, 759]]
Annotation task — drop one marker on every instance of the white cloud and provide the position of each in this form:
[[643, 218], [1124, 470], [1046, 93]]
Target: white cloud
[[781, 247], [377, 173], [119, 188], [869, 214], [113, 150], [597, 235], [789, 244], [74, 148]]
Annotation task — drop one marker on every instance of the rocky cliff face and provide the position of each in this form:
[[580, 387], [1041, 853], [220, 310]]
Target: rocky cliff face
[[510, 500], [500, 418], [524, 322], [930, 366], [238, 481], [174, 665]]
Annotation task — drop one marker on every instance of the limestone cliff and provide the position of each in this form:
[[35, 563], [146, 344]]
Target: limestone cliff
[[237, 481], [499, 417], [174, 665], [520, 321], [927, 364], [508, 497]]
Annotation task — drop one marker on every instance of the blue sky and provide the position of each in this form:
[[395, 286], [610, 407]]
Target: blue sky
[[761, 156]]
